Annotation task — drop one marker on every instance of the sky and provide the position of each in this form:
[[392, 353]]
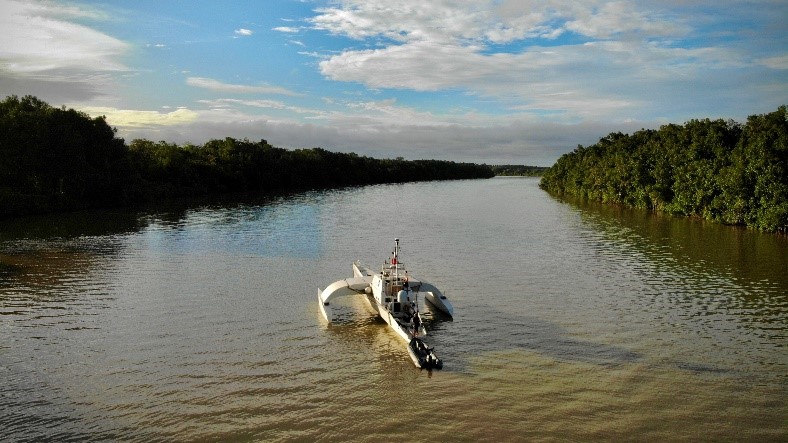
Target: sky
[[483, 81]]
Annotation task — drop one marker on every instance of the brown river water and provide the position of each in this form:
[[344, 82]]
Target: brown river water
[[573, 322]]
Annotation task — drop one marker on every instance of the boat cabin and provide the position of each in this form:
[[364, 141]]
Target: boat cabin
[[391, 290]]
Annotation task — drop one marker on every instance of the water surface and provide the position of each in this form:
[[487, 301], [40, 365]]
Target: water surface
[[573, 322]]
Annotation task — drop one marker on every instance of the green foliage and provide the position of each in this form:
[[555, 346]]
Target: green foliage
[[519, 170], [56, 159], [718, 170], [231, 165], [52, 159]]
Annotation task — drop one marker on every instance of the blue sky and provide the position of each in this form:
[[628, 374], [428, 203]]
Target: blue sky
[[493, 81]]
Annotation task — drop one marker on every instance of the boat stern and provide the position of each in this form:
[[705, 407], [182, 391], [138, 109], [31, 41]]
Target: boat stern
[[440, 301]]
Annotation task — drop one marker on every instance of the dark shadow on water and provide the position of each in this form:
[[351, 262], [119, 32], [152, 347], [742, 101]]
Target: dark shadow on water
[[70, 225], [468, 338], [7, 271], [504, 332], [700, 368]]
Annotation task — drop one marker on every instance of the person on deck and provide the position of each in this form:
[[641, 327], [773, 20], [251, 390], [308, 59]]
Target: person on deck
[[416, 322]]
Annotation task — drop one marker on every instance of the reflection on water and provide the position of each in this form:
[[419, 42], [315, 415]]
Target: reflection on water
[[696, 245], [573, 322], [714, 273], [284, 227]]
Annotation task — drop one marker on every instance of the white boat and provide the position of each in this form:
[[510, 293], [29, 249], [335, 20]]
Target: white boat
[[392, 293]]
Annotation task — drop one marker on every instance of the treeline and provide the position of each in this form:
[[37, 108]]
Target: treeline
[[55, 159], [718, 170], [519, 170]]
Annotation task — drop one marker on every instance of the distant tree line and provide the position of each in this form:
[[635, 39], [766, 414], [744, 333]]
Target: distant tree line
[[519, 170], [56, 159], [718, 170]]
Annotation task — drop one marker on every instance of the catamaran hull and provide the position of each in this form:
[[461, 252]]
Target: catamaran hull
[[440, 301], [325, 308], [373, 304]]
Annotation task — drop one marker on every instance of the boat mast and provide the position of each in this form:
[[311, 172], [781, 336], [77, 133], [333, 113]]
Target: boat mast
[[396, 260]]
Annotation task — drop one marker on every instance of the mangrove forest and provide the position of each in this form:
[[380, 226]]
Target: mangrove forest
[[57, 159], [518, 170], [718, 170]]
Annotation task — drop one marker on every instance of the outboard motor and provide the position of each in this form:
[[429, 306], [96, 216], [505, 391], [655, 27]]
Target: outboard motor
[[438, 362]]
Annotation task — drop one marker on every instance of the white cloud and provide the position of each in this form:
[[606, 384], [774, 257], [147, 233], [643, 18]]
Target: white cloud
[[624, 56], [777, 62], [127, 118], [621, 17], [45, 52], [286, 29], [243, 32], [225, 102], [228, 103], [422, 66], [215, 85], [497, 21], [36, 37]]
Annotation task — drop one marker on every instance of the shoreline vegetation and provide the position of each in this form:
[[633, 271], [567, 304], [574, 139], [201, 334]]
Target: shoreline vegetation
[[718, 170], [519, 170], [58, 159]]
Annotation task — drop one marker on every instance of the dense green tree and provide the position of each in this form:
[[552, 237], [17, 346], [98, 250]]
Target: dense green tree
[[715, 169], [54, 158], [518, 170]]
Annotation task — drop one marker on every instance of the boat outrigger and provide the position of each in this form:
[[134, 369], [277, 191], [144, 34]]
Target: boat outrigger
[[394, 295]]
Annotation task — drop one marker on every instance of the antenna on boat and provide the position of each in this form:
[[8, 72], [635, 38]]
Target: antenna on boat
[[395, 262]]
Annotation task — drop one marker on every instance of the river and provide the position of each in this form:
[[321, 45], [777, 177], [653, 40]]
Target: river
[[573, 321]]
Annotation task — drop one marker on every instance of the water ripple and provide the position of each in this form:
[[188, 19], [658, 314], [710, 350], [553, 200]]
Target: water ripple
[[573, 322]]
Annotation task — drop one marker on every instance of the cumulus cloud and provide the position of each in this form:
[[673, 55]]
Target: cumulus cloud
[[38, 37], [43, 51], [438, 46], [243, 32], [622, 60], [497, 21]]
